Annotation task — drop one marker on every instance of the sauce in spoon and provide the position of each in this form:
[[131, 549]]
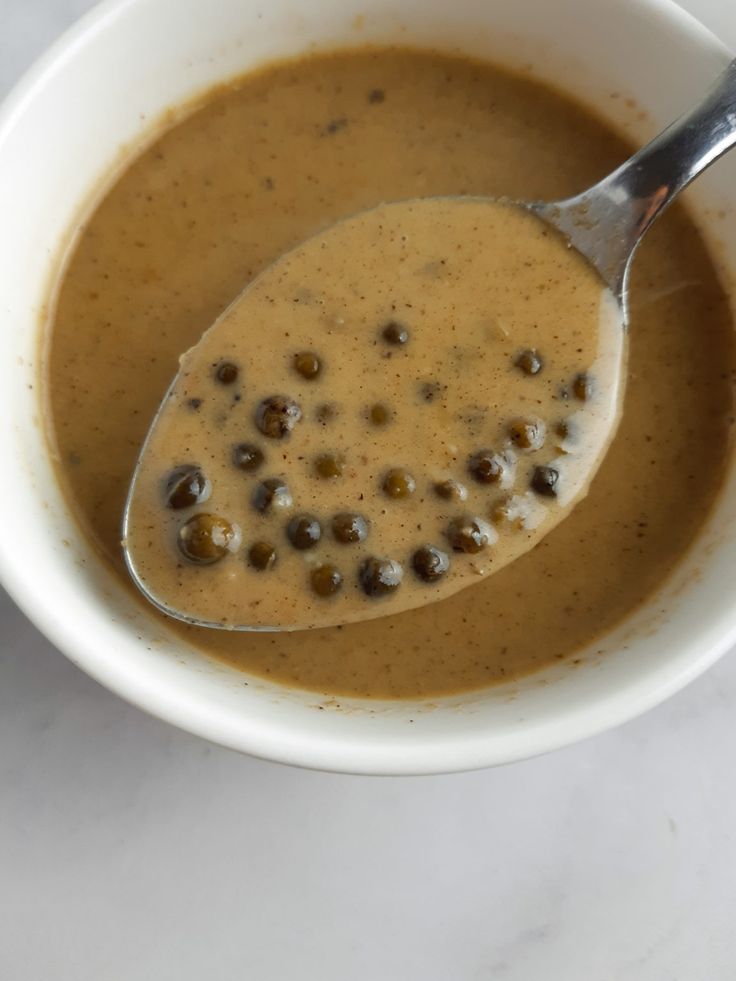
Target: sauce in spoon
[[403, 404]]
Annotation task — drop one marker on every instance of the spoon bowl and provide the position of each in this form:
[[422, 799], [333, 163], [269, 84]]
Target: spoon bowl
[[377, 421]]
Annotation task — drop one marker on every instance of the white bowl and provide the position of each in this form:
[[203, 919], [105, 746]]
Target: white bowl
[[62, 128]]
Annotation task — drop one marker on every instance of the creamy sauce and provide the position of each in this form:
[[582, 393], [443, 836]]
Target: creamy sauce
[[267, 163], [429, 311]]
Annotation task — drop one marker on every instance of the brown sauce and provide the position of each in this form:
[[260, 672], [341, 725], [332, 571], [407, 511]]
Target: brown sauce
[[284, 153]]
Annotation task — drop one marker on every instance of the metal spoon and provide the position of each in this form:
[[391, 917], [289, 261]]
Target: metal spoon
[[605, 224]]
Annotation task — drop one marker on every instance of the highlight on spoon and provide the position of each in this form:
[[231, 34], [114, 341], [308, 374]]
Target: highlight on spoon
[[400, 406]]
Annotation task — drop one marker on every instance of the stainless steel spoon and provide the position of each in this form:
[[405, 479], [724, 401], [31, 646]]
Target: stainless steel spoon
[[605, 223]]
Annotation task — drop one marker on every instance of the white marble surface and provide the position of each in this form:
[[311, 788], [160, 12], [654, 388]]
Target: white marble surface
[[130, 851]]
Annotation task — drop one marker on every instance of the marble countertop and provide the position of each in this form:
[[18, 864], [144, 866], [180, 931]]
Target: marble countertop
[[130, 851]]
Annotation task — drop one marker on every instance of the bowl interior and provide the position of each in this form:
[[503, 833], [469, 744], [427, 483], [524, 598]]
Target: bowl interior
[[60, 135]]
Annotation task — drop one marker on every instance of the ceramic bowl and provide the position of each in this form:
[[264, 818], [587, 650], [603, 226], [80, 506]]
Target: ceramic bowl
[[61, 131]]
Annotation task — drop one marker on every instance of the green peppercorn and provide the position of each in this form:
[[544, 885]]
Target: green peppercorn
[[349, 528], [470, 535], [307, 364], [380, 577], [544, 481], [186, 486], [450, 490], [304, 531], [527, 434], [395, 333], [583, 386], [488, 466], [326, 579], [277, 415], [329, 466], [247, 457], [399, 483], [226, 372], [430, 563], [529, 362], [207, 538], [380, 414], [262, 556], [566, 429], [271, 493]]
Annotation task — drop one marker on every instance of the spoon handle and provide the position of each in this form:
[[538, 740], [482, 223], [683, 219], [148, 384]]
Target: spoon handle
[[607, 221]]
